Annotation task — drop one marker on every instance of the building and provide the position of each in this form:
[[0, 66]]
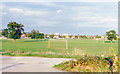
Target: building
[[91, 37], [3, 37], [24, 35], [104, 37], [56, 35], [66, 35]]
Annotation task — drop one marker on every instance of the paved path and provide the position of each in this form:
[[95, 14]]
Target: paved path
[[30, 64]]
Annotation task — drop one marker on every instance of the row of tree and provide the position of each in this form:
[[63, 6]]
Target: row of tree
[[36, 35], [14, 30], [70, 36]]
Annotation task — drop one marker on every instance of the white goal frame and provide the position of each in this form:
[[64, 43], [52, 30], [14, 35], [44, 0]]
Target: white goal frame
[[66, 44]]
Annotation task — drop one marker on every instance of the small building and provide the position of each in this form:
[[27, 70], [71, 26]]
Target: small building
[[24, 35], [56, 35], [66, 35], [72, 37], [3, 37], [47, 36], [91, 37]]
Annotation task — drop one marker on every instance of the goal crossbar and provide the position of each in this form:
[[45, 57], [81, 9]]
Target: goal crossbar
[[50, 40]]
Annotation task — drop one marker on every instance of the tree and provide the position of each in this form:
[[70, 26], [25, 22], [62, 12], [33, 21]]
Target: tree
[[97, 36], [33, 32], [64, 36], [76, 36], [15, 30], [45, 35], [60, 36], [84, 36], [5, 33], [70, 36], [36, 35], [52, 35], [111, 35]]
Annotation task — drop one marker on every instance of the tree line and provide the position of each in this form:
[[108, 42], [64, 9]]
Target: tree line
[[36, 35], [14, 30]]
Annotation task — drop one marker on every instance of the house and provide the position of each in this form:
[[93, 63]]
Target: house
[[104, 37], [66, 35], [3, 37], [72, 37], [78, 36], [56, 35], [47, 35], [24, 35], [91, 37]]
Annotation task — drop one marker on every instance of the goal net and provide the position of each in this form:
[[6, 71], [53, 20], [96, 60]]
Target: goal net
[[58, 44]]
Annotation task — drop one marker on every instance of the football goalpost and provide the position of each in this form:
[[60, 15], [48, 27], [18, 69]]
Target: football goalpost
[[58, 43]]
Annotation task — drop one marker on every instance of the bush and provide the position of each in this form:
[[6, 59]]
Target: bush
[[109, 41], [91, 64]]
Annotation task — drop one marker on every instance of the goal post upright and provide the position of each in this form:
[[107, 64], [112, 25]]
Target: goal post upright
[[49, 43], [57, 45], [66, 44]]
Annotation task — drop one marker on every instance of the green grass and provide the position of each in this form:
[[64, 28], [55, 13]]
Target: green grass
[[58, 44], [76, 48]]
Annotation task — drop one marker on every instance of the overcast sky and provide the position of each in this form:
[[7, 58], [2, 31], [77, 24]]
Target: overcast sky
[[90, 18]]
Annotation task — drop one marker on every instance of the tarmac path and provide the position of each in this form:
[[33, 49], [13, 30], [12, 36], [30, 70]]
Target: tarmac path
[[30, 64]]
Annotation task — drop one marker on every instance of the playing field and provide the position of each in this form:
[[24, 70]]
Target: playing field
[[76, 47]]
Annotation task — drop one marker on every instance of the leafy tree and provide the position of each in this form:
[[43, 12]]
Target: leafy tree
[[41, 36], [111, 35], [64, 36], [84, 36], [5, 32], [97, 36], [52, 35], [45, 36], [33, 32], [36, 35], [15, 30], [60, 36], [70, 36], [29, 35], [76, 36]]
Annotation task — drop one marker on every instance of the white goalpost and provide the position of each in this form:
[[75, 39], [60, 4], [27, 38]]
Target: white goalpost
[[66, 44], [50, 43]]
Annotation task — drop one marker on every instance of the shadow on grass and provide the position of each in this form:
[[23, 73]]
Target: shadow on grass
[[35, 40]]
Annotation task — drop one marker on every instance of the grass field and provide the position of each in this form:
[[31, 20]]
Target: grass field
[[57, 44], [76, 48]]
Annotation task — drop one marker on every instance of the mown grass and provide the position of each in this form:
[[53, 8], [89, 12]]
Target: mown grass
[[76, 48]]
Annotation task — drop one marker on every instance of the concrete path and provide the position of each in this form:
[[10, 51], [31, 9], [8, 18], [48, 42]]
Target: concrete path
[[30, 64]]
